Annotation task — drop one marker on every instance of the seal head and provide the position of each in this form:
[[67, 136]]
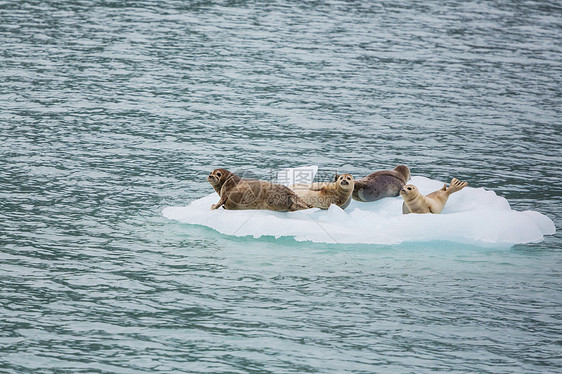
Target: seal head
[[345, 181], [403, 172], [409, 191], [218, 177]]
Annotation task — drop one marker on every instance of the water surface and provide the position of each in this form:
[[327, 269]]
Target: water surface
[[111, 111]]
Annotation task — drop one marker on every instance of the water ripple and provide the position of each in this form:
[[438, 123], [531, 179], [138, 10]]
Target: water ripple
[[110, 111]]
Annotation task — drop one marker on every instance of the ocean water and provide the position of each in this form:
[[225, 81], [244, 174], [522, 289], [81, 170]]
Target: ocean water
[[111, 111]]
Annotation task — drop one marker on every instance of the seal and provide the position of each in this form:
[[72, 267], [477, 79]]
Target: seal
[[237, 193], [322, 195], [380, 184], [415, 202]]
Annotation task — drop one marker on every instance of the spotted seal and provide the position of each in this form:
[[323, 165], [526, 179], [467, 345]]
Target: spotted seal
[[322, 195], [237, 193]]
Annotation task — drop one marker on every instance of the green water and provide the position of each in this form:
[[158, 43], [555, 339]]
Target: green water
[[112, 111]]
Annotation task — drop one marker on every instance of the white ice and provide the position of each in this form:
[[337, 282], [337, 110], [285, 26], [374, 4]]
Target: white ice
[[472, 216]]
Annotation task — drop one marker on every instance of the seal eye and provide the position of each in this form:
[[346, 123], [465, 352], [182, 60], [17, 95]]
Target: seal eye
[[409, 188], [219, 175]]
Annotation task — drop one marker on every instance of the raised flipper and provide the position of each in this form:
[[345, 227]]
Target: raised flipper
[[456, 185]]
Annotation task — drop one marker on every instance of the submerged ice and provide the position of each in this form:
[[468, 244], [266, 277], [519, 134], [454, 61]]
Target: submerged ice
[[471, 216]]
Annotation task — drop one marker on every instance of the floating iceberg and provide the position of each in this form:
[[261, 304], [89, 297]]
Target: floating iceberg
[[472, 216]]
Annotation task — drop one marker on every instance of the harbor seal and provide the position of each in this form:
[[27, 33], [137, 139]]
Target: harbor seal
[[384, 183], [237, 193], [415, 202], [322, 195]]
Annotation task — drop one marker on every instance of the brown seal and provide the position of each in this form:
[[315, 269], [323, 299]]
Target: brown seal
[[237, 193], [322, 195], [415, 202], [380, 184]]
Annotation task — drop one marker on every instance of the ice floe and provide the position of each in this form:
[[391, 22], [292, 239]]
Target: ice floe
[[472, 216]]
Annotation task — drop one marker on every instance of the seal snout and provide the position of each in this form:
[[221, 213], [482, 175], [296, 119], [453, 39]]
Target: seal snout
[[345, 180], [213, 178], [406, 190]]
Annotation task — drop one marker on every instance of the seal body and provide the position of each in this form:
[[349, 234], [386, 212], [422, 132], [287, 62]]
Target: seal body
[[380, 184], [415, 202], [239, 194], [322, 195]]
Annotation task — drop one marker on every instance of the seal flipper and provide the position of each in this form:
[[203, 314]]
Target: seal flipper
[[220, 203], [317, 186], [357, 193], [347, 202], [299, 204], [456, 185], [405, 209]]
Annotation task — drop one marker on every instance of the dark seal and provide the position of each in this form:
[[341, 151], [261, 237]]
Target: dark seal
[[237, 193], [380, 184]]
